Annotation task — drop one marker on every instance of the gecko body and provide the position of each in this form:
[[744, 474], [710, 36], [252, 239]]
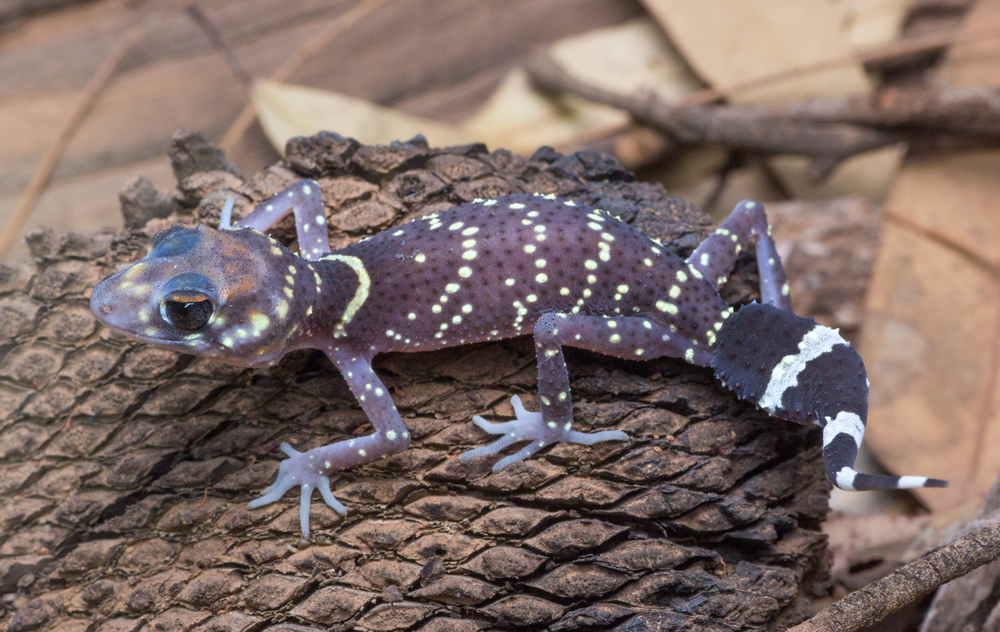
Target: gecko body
[[567, 274]]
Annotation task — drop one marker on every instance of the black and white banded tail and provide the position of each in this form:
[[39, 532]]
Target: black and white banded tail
[[801, 371]]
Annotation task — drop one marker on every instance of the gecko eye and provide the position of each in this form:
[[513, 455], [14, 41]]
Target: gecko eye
[[188, 310]]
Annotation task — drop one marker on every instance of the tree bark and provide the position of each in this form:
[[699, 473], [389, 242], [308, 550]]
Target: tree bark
[[126, 470]]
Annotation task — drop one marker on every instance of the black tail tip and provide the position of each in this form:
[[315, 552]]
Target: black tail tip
[[936, 482]]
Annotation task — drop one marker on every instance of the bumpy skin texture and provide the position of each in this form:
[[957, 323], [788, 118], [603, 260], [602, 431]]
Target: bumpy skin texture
[[492, 269]]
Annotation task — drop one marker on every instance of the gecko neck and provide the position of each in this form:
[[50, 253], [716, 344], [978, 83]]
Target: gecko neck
[[329, 293]]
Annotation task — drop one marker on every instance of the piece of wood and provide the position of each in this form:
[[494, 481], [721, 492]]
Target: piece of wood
[[863, 608], [127, 469], [747, 128], [970, 602]]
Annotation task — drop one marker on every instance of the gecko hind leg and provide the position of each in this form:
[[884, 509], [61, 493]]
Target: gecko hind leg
[[624, 337], [746, 225], [529, 425]]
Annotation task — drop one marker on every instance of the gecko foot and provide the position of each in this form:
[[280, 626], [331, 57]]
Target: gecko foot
[[529, 426], [299, 469]]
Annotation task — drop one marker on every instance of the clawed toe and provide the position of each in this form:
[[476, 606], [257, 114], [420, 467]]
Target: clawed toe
[[296, 471], [530, 426]]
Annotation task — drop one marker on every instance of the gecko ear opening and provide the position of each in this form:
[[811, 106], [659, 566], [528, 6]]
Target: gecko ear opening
[[187, 310]]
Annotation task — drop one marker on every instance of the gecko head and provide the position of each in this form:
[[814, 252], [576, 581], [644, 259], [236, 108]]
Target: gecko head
[[213, 293]]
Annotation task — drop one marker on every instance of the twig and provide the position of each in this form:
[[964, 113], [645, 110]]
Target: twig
[[972, 110], [880, 53], [99, 80], [920, 577], [754, 128], [215, 37], [340, 24]]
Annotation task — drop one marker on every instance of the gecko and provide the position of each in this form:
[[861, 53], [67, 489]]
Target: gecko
[[525, 264]]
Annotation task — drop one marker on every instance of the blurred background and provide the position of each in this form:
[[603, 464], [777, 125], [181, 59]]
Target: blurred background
[[869, 127]]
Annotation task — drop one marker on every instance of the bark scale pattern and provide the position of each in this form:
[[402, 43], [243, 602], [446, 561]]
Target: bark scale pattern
[[707, 519]]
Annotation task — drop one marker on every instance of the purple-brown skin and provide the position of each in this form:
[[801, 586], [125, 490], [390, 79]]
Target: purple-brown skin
[[568, 274]]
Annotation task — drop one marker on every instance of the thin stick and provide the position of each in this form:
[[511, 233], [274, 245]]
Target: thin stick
[[894, 49], [734, 126], [339, 25], [920, 577], [15, 223], [241, 72]]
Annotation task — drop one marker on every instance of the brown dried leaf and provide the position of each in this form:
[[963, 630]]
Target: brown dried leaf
[[286, 111], [931, 338], [625, 58]]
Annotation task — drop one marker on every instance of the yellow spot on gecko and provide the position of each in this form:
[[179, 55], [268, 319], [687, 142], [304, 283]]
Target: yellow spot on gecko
[[664, 306], [260, 322]]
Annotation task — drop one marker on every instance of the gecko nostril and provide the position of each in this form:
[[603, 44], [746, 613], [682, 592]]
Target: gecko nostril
[[106, 309]]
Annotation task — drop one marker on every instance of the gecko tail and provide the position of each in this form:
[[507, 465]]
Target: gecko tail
[[849, 479]]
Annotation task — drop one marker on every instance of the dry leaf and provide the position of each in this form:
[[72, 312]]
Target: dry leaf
[[931, 338], [869, 23], [733, 42], [286, 111], [627, 57], [519, 118]]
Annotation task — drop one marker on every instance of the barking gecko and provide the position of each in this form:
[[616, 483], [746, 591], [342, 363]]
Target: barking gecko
[[567, 274]]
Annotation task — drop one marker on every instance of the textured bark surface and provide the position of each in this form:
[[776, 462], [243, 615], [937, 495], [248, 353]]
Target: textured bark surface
[[125, 470]]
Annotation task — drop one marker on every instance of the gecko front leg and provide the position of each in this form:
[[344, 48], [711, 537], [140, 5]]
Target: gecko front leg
[[304, 200], [312, 469]]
